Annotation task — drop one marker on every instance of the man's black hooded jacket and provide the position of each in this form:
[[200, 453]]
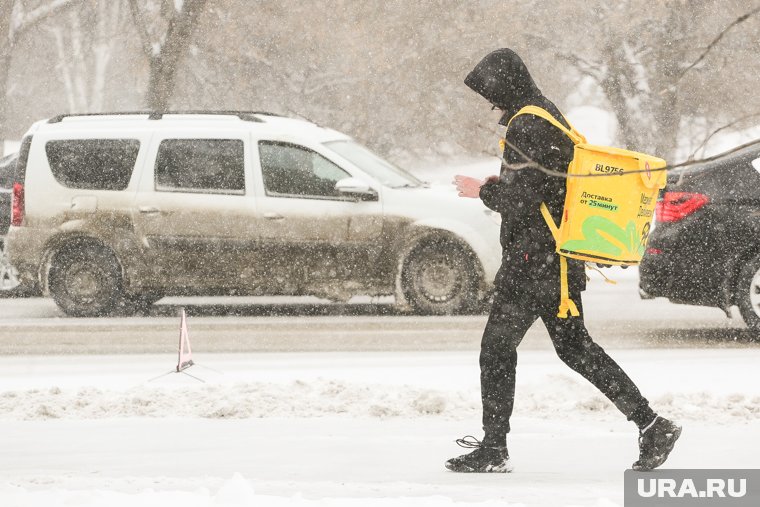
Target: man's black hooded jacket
[[529, 274]]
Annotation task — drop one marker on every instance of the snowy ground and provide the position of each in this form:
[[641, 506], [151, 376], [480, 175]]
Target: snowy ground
[[348, 428]]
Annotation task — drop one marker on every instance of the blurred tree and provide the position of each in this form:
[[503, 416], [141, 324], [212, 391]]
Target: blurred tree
[[85, 42], [646, 66], [390, 72], [166, 31], [17, 17]]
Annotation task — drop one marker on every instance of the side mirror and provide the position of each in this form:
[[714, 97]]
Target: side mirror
[[356, 188]]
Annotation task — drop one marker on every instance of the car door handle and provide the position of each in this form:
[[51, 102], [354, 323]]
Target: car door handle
[[271, 215], [149, 210]]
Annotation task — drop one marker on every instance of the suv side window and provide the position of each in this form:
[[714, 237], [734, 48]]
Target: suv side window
[[201, 165], [292, 170], [93, 164]]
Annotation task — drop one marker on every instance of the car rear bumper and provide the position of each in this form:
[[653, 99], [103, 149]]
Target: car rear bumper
[[24, 247], [654, 274], [675, 275]]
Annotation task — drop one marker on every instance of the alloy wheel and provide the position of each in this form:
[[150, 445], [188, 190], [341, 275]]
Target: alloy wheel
[[439, 280]]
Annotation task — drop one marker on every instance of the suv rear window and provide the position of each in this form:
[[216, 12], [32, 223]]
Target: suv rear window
[[201, 165], [93, 164]]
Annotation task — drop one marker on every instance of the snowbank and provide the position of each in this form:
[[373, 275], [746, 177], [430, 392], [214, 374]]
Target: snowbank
[[552, 396]]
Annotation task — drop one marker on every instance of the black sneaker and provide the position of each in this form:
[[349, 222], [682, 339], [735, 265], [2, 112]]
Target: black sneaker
[[483, 459], [655, 443]]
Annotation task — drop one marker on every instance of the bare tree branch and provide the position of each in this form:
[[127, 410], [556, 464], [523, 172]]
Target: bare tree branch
[[26, 21], [717, 39], [532, 164], [719, 129], [142, 28], [164, 59], [594, 71], [181, 26]]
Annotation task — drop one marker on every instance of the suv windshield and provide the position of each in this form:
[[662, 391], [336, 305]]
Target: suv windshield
[[382, 170]]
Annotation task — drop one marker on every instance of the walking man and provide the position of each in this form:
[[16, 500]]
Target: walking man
[[528, 282]]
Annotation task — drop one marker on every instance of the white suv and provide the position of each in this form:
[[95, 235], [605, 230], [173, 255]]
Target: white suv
[[129, 207]]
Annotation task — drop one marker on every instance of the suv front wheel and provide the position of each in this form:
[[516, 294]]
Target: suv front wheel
[[440, 278], [85, 281]]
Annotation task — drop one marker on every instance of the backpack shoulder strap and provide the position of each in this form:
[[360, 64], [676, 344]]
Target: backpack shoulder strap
[[566, 305], [575, 136]]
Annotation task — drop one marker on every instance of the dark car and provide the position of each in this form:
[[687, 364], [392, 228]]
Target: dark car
[[7, 168], [8, 280], [705, 248]]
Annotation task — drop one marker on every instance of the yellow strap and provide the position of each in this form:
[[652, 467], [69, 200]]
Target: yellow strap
[[550, 221], [575, 136], [565, 303]]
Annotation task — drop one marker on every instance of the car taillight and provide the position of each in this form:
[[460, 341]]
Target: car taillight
[[17, 209], [676, 206]]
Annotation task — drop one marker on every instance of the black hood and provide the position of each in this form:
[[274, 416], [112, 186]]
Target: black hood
[[502, 79]]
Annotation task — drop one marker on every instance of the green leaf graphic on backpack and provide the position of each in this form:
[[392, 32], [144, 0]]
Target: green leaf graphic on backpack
[[604, 236]]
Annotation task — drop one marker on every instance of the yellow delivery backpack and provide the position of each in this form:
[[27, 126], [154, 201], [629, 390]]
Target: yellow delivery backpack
[[605, 219]]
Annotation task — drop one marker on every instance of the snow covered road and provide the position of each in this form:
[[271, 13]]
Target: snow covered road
[[615, 315]]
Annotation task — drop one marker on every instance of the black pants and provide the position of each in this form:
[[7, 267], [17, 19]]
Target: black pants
[[507, 324]]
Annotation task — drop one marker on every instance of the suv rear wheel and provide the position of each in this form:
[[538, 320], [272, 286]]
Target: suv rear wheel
[[748, 294], [86, 281], [439, 278]]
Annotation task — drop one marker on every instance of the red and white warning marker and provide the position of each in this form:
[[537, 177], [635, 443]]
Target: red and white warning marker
[[185, 357]]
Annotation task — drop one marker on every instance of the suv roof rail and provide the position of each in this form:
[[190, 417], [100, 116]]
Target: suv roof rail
[[156, 115]]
